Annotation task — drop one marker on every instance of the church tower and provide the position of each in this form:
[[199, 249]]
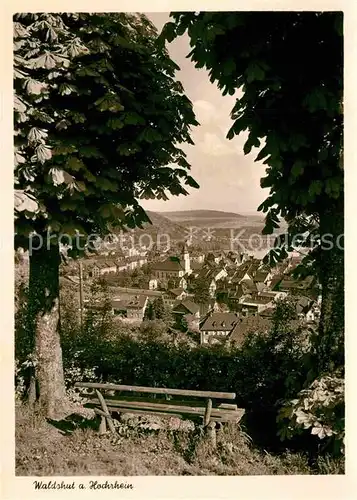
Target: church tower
[[186, 259]]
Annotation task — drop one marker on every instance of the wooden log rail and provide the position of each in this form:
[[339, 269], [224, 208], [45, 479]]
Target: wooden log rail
[[156, 390], [205, 406]]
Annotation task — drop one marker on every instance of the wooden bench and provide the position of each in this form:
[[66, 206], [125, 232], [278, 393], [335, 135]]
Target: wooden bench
[[206, 406]]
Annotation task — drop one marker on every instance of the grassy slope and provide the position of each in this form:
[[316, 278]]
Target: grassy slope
[[41, 450]]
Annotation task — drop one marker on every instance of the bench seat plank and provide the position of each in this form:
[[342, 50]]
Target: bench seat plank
[[143, 412], [164, 407], [234, 416], [180, 402]]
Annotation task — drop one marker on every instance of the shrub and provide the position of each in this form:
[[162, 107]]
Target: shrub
[[319, 409], [268, 368], [23, 371], [74, 373], [265, 372]]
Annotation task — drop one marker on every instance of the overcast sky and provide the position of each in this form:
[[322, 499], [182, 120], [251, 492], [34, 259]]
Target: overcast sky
[[228, 179]]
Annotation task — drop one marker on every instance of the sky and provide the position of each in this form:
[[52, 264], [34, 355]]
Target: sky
[[229, 180]]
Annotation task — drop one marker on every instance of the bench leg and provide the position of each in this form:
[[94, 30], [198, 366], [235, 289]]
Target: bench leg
[[106, 412], [207, 415], [211, 434], [103, 426]]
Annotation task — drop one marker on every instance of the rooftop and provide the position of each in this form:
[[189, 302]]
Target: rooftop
[[289, 282], [130, 292], [236, 293], [267, 313], [207, 272], [249, 286], [268, 293], [240, 272], [101, 264], [219, 322], [135, 258], [303, 304], [170, 264], [275, 281], [176, 291], [195, 266], [257, 300], [247, 325], [137, 302], [261, 276], [191, 307]]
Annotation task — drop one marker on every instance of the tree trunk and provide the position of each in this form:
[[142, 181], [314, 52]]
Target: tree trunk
[[330, 347], [32, 392], [44, 318]]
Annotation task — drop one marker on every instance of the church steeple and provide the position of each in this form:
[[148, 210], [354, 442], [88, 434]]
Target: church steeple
[[186, 258]]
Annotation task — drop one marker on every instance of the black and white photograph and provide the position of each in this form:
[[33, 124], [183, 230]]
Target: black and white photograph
[[178, 250]]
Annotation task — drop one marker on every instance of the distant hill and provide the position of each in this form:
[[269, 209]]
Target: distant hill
[[212, 229], [163, 225], [214, 219], [187, 214]]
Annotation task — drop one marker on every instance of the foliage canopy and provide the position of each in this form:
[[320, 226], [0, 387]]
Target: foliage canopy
[[289, 69], [99, 119]]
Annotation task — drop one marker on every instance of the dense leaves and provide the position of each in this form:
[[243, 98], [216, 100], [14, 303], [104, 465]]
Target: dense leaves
[[320, 409], [288, 69], [157, 310], [99, 118], [200, 289]]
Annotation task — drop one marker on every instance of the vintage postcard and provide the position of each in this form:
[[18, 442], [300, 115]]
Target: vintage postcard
[[176, 256]]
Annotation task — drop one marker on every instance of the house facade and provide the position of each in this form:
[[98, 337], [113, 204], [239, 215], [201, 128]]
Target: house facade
[[254, 305], [217, 327], [212, 289], [152, 284], [100, 268], [167, 269], [131, 310], [274, 295], [122, 266]]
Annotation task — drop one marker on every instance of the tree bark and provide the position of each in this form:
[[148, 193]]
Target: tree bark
[[330, 347], [44, 318], [32, 392]]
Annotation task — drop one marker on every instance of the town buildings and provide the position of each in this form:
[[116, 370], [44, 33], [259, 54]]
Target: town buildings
[[242, 291]]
